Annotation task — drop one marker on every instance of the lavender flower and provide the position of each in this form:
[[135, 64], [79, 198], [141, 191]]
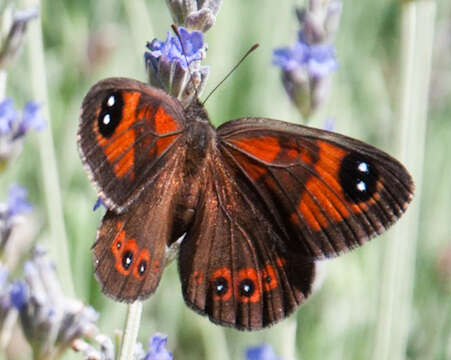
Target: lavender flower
[[307, 65], [99, 203], [157, 348], [262, 352], [50, 321], [194, 14], [169, 64], [14, 24], [15, 206], [14, 126]]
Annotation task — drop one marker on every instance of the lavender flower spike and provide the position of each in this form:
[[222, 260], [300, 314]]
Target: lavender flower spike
[[169, 64], [194, 14], [307, 65]]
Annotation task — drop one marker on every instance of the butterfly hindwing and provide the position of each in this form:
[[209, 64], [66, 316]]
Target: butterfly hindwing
[[127, 129], [233, 266], [324, 192], [129, 253]]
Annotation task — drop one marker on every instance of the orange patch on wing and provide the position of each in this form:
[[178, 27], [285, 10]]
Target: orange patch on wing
[[197, 277], [250, 274], [119, 149], [164, 123], [252, 169], [280, 262], [118, 244], [269, 278], [131, 246], [163, 143], [323, 201], [265, 148], [226, 274]]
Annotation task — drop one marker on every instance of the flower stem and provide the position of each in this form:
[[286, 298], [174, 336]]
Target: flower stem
[[131, 329], [3, 81], [396, 295], [58, 247]]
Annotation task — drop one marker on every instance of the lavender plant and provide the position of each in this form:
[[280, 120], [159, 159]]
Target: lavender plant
[[306, 66]]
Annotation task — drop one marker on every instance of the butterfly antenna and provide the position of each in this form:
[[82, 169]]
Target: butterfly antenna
[[177, 33], [254, 47]]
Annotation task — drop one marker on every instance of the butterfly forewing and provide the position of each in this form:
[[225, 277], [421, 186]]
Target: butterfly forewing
[[325, 193], [126, 131]]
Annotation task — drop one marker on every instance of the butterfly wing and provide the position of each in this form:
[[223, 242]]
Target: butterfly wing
[[233, 266], [129, 253], [324, 192], [126, 131]]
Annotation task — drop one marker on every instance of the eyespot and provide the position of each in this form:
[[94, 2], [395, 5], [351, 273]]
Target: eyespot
[[246, 288], [269, 278], [221, 284], [248, 285], [142, 264], [110, 113], [127, 259], [358, 177]]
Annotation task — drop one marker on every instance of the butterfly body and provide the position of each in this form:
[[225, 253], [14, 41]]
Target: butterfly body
[[259, 201]]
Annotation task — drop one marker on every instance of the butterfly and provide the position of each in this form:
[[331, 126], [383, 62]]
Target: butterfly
[[257, 200]]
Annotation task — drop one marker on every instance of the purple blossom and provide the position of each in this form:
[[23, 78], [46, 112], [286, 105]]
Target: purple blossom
[[17, 201], [19, 294], [157, 349], [31, 119], [262, 352], [17, 126], [318, 60], [171, 50], [8, 115], [99, 203]]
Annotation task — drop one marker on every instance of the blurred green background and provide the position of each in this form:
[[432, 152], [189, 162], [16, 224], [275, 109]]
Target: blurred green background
[[86, 41]]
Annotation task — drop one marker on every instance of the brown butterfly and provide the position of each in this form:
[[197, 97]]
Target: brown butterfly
[[258, 199]]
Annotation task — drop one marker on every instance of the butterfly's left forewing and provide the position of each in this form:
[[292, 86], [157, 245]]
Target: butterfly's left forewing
[[324, 192], [128, 131]]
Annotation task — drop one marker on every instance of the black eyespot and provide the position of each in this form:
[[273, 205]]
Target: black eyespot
[[118, 245], [127, 259], [246, 287], [142, 267], [111, 113], [268, 279], [220, 285], [358, 177]]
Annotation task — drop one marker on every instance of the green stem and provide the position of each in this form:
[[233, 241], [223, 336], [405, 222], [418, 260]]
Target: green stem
[[131, 329], [58, 247], [3, 81], [396, 295]]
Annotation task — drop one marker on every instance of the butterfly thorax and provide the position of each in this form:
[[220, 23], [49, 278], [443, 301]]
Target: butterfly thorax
[[200, 145]]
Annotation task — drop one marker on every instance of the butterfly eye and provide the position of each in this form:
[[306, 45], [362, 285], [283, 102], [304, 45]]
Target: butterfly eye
[[110, 114], [358, 177]]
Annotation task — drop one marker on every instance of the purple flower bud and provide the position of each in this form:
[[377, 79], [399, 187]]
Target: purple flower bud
[[8, 115], [262, 352], [17, 201], [19, 294], [157, 349]]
